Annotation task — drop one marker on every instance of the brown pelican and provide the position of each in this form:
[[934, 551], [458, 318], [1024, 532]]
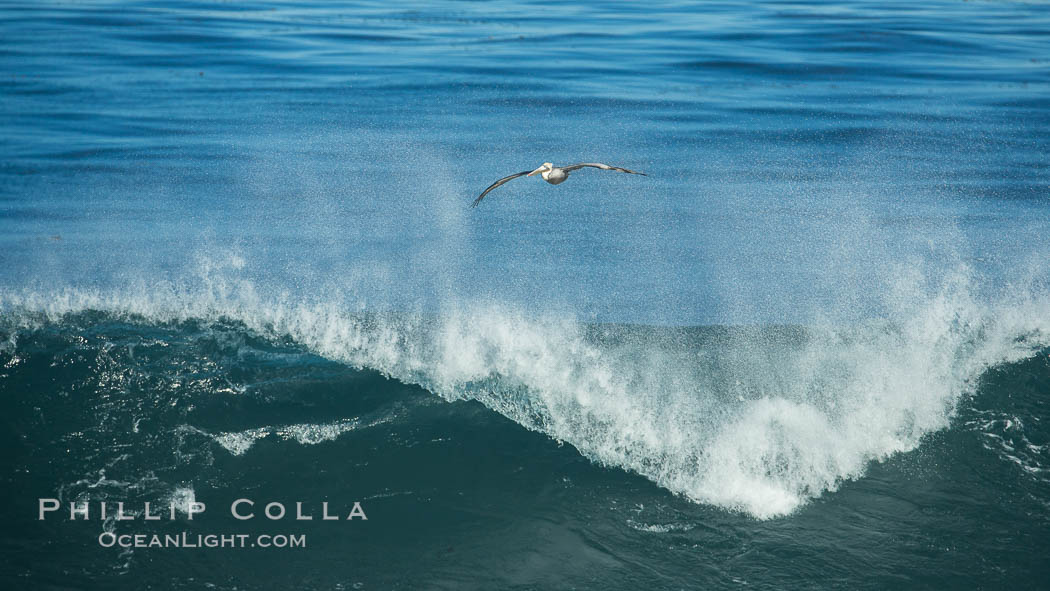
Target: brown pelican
[[552, 174]]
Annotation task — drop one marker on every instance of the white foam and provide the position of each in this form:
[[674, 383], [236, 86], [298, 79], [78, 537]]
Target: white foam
[[312, 434], [239, 442], [659, 528], [1007, 435], [182, 498]]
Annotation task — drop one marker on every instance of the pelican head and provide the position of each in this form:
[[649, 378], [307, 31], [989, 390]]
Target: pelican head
[[547, 167]]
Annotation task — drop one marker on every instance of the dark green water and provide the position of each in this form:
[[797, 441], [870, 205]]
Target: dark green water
[[457, 496]]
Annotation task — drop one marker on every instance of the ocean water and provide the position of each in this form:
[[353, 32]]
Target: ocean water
[[810, 350]]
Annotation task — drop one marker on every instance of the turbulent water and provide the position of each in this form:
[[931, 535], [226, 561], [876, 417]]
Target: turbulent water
[[810, 349]]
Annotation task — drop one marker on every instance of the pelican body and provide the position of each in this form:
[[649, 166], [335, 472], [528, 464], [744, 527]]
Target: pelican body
[[552, 174]]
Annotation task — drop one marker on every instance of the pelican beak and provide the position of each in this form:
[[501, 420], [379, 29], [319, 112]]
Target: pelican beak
[[538, 170]]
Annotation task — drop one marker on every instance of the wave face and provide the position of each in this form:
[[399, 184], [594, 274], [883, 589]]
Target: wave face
[[652, 439]]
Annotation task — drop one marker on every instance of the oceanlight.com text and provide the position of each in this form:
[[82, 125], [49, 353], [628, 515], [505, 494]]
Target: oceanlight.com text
[[186, 540]]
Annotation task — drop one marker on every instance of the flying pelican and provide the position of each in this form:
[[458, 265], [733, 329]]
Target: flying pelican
[[552, 174]]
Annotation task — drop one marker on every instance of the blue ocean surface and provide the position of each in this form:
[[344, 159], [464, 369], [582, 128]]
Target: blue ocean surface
[[811, 349]]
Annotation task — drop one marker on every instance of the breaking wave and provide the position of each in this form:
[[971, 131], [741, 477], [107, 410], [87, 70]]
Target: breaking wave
[[756, 419]]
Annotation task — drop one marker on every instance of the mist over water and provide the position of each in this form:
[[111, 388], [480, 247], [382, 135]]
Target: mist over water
[[237, 252]]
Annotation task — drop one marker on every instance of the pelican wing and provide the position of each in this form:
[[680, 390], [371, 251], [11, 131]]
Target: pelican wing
[[601, 166], [502, 181]]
